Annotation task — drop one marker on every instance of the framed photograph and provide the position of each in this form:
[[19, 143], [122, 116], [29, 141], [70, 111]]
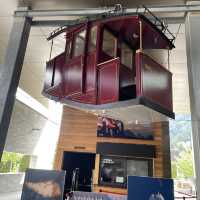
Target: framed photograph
[[107, 127], [43, 185]]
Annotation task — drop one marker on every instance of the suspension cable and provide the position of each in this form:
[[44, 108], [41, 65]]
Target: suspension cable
[[51, 49]]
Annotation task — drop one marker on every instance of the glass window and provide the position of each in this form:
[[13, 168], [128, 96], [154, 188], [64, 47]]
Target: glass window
[[126, 56], [114, 170], [159, 55], [109, 43], [92, 39], [58, 46], [79, 44]]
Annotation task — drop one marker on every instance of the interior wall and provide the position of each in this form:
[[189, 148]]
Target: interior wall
[[29, 133], [11, 183], [25, 130], [6, 19]]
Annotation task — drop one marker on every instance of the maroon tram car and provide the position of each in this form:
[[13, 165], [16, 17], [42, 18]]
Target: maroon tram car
[[104, 62]]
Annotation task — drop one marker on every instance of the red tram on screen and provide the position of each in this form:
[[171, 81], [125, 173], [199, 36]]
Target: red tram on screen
[[104, 61]]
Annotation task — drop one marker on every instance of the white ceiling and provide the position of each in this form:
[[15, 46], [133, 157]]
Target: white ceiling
[[38, 48]]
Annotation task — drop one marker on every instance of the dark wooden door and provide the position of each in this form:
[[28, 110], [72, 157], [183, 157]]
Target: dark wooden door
[[85, 162]]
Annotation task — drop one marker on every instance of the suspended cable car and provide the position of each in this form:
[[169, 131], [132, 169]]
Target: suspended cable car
[[104, 64]]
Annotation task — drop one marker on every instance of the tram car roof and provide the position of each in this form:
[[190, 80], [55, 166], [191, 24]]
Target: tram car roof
[[154, 34]]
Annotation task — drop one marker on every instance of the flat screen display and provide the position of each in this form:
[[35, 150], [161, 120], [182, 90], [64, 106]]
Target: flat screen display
[[137, 168], [112, 171]]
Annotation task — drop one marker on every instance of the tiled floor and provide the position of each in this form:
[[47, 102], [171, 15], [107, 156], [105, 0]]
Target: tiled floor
[[10, 196]]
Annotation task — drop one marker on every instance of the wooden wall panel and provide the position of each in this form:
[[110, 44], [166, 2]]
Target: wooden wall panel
[[78, 133]]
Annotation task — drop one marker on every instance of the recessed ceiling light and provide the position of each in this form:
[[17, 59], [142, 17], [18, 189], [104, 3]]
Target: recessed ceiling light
[[36, 129], [135, 36]]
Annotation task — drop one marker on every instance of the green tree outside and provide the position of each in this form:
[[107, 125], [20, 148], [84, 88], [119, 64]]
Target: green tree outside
[[14, 162], [181, 147]]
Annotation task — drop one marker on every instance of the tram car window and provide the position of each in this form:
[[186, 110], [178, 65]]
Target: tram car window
[[109, 44], [127, 56], [92, 39], [79, 44]]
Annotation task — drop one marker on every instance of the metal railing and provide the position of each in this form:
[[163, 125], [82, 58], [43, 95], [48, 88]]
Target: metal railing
[[186, 196], [158, 23]]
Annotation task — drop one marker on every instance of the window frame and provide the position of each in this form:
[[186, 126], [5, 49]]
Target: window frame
[[68, 48]]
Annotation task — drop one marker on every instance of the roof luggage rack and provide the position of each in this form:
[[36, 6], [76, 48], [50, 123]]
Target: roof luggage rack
[[157, 22], [117, 11]]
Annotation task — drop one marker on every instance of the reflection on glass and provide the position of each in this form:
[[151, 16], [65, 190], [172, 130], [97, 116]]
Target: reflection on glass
[[58, 46], [126, 56], [109, 43], [137, 168], [92, 39], [79, 44], [159, 55]]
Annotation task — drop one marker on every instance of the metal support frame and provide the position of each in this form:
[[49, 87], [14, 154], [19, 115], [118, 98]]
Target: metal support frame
[[141, 42], [10, 73], [91, 12], [60, 23], [99, 11]]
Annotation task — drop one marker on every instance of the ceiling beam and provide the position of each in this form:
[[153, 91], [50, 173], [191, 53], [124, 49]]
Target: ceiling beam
[[58, 23], [105, 10]]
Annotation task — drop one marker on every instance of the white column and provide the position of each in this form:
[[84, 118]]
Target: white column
[[10, 73], [192, 26]]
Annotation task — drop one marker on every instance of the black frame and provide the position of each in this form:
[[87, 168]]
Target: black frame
[[123, 185]]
